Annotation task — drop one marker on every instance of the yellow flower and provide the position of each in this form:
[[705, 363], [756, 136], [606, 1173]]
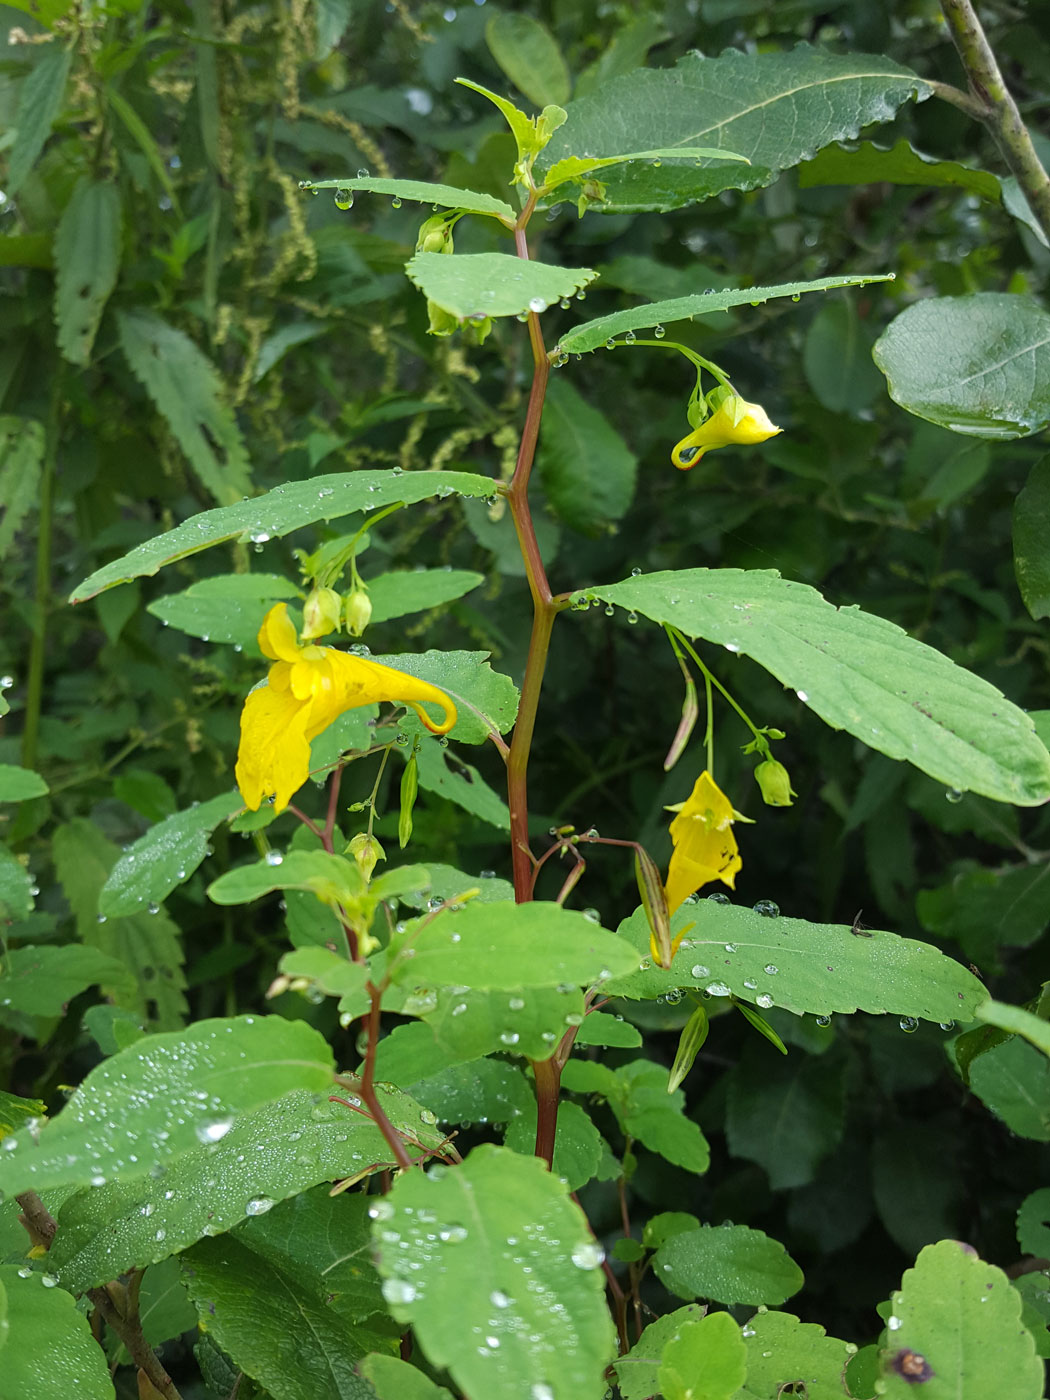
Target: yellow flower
[[308, 687], [705, 848], [733, 420]]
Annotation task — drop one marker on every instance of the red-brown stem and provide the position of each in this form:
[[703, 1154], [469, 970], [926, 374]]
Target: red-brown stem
[[333, 808], [310, 824], [548, 1086], [368, 1092]]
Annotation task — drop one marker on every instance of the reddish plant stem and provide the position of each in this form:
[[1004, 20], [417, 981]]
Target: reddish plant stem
[[368, 1093], [333, 808]]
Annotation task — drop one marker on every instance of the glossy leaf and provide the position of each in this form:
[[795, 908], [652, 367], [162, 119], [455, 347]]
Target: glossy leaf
[[729, 1264], [577, 1143], [497, 1246], [900, 164], [1012, 1079], [707, 1360], [279, 512], [959, 1316], [87, 261], [526, 1021], [591, 334], [46, 1346], [1031, 529], [423, 192], [858, 672], [978, 364], [472, 286], [637, 1371], [485, 699], [1017, 1020], [318, 871], [782, 1351], [394, 1379], [163, 1096], [167, 855]]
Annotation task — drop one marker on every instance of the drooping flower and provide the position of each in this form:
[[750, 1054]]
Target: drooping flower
[[732, 420], [307, 688], [705, 848], [774, 782]]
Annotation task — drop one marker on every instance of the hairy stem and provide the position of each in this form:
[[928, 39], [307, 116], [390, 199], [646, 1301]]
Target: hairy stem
[[998, 108]]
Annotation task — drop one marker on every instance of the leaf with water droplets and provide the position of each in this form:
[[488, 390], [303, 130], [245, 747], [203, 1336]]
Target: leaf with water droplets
[[958, 1332], [707, 1360], [424, 192], [637, 1371], [167, 855], [728, 1264], [471, 286], [227, 608], [148, 1104], [289, 1295], [394, 1379], [497, 1272], [46, 1346], [856, 671], [16, 887], [471, 1023], [782, 1351]]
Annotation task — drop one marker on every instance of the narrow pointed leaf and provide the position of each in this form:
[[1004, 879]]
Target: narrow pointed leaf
[[423, 192]]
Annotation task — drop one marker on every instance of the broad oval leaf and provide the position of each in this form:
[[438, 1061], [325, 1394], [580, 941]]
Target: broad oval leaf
[[781, 1351], [46, 1345], [17, 784], [319, 871], [978, 365], [163, 1096], [475, 285], [529, 55], [496, 1250], [224, 608], [591, 334], [729, 1264], [166, 855], [856, 671], [815, 969], [491, 946], [405, 591], [279, 512], [423, 192], [711, 1347]]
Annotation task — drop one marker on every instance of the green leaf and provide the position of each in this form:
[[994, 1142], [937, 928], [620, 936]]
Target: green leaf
[[328, 974], [21, 454], [418, 590], [802, 967], [281, 1294], [15, 1112], [977, 364], [394, 1379], [588, 471], [40, 981], [856, 671], [1013, 1081], [774, 108], [837, 359], [707, 1360], [448, 776], [165, 856], [471, 286], [143, 138], [225, 608], [185, 387], [165, 1311], [148, 946], [497, 1250], [18, 784], [601, 1029], [39, 104], [163, 1096], [785, 1114], [87, 261], [16, 887], [423, 192], [637, 1093], [781, 1351], [899, 164], [44, 11], [984, 909], [268, 1155], [529, 55], [494, 946], [477, 1091], [961, 1316], [485, 698], [526, 1021], [577, 1142], [1035, 1309], [1031, 529], [575, 167], [918, 1201], [318, 871], [1033, 1223], [637, 1371], [279, 512], [589, 335], [729, 1264], [1017, 1020], [46, 1346]]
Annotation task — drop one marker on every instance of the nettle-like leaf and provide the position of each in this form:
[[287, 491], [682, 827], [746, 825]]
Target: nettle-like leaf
[[776, 109], [163, 1096], [16, 886], [289, 1295], [472, 286], [38, 105], [268, 1155], [497, 1273], [87, 260], [422, 192], [394, 1379], [279, 512], [637, 1372], [727, 1263], [856, 671], [407, 591], [485, 699], [710, 1348], [978, 364], [46, 1346], [805, 968], [443, 772], [521, 1020], [40, 981], [21, 455], [578, 1146], [165, 856], [589, 335], [955, 1330]]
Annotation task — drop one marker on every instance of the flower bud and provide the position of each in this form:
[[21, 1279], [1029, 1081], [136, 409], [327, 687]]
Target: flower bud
[[358, 611], [775, 784], [367, 851], [435, 235], [321, 613]]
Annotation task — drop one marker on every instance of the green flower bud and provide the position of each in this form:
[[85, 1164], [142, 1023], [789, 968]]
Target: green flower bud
[[358, 611], [321, 613], [435, 235], [367, 851], [775, 784]]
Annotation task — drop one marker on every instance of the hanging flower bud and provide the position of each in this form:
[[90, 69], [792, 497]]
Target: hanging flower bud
[[367, 851], [775, 784], [435, 235], [732, 421], [409, 789], [358, 611], [321, 613]]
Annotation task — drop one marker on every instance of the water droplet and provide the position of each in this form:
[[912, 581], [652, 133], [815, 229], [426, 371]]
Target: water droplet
[[771, 969], [509, 1037], [214, 1130], [632, 617], [747, 1331], [893, 1323], [954, 795], [259, 1205], [767, 909], [630, 338], [908, 1024], [729, 947], [823, 1020], [719, 898], [659, 332], [516, 1003], [274, 858], [717, 989], [48, 1281], [344, 199], [947, 1025], [382, 1210], [537, 304], [399, 1290], [541, 1391], [699, 970], [592, 916], [802, 696], [6, 682], [451, 1234], [750, 984], [101, 918], [153, 907], [764, 1000], [587, 1255]]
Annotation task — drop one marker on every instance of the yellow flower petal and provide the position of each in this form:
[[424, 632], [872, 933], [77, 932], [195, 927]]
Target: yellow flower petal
[[733, 421], [274, 753], [277, 638], [705, 848]]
